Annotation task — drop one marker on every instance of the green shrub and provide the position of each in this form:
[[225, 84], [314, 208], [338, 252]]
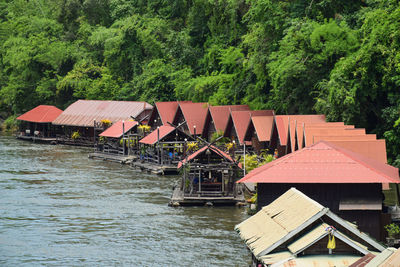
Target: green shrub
[[11, 124]]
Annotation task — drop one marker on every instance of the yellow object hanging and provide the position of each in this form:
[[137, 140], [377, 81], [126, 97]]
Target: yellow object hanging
[[331, 242]]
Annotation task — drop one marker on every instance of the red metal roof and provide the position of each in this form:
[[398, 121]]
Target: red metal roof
[[220, 115], [366, 137], [300, 130], [263, 126], [115, 130], [41, 114], [374, 149], [84, 112], [152, 138], [323, 163], [203, 149], [241, 120], [167, 110], [195, 115], [309, 133], [282, 124]]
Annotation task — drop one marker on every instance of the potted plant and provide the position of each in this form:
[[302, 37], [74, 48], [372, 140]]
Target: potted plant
[[393, 233]]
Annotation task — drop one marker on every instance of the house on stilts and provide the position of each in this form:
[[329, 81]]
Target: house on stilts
[[161, 150], [36, 124], [209, 177], [84, 120], [119, 142], [296, 230]]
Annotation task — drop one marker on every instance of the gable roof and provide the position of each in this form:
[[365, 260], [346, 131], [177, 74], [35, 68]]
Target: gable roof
[[220, 114], [263, 127], [195, 115], [367, 137], [282, 124], [115, 130], [166, 111], [283, 223], [41, 114], [212, 148], [241, 120], [309, 133], [84, 112], [374, 149], [158, 134], [323, 163]]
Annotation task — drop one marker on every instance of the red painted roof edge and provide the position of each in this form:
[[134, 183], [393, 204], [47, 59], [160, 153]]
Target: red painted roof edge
[[151, 138], [128, 126], [213, 148]]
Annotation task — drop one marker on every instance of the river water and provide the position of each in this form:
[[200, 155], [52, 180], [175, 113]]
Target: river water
[[59, 208]]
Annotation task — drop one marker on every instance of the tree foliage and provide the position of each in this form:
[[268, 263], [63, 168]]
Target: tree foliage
[[340, 58]]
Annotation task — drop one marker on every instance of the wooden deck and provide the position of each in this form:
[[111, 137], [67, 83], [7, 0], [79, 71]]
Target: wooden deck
[[112, 157], [179, 199], [155, 169]]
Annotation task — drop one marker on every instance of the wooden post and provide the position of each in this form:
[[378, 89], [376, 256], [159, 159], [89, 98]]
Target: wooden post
[[244, 158], [200, 180], [94, 135], [158, 144], [123, 137]]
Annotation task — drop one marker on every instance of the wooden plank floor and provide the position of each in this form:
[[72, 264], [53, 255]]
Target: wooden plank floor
[[112, 157], [153, 168]]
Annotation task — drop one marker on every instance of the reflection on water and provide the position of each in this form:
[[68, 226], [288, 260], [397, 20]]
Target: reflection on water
[[57, 207]]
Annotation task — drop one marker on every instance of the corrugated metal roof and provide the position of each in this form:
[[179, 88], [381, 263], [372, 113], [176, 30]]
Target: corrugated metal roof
[[374, 149], [281, 225], [220, 115], [115, 130], [241, 120], [282, 124], [84, 112], [263, 126], [41, 114], [159, 133], [323, 163], [320, 261], [195, 115], [380, 259], [167, 110], [278, 219], [309, 133], [317, 138], [393, 260], [363, 261], [203, 149]]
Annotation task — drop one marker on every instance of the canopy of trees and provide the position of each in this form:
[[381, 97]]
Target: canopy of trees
[[340, 58]]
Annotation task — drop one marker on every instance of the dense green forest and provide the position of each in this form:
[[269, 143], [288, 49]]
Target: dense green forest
[[337, 57]]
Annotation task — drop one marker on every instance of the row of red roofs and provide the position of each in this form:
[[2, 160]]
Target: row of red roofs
[[286, 133]]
